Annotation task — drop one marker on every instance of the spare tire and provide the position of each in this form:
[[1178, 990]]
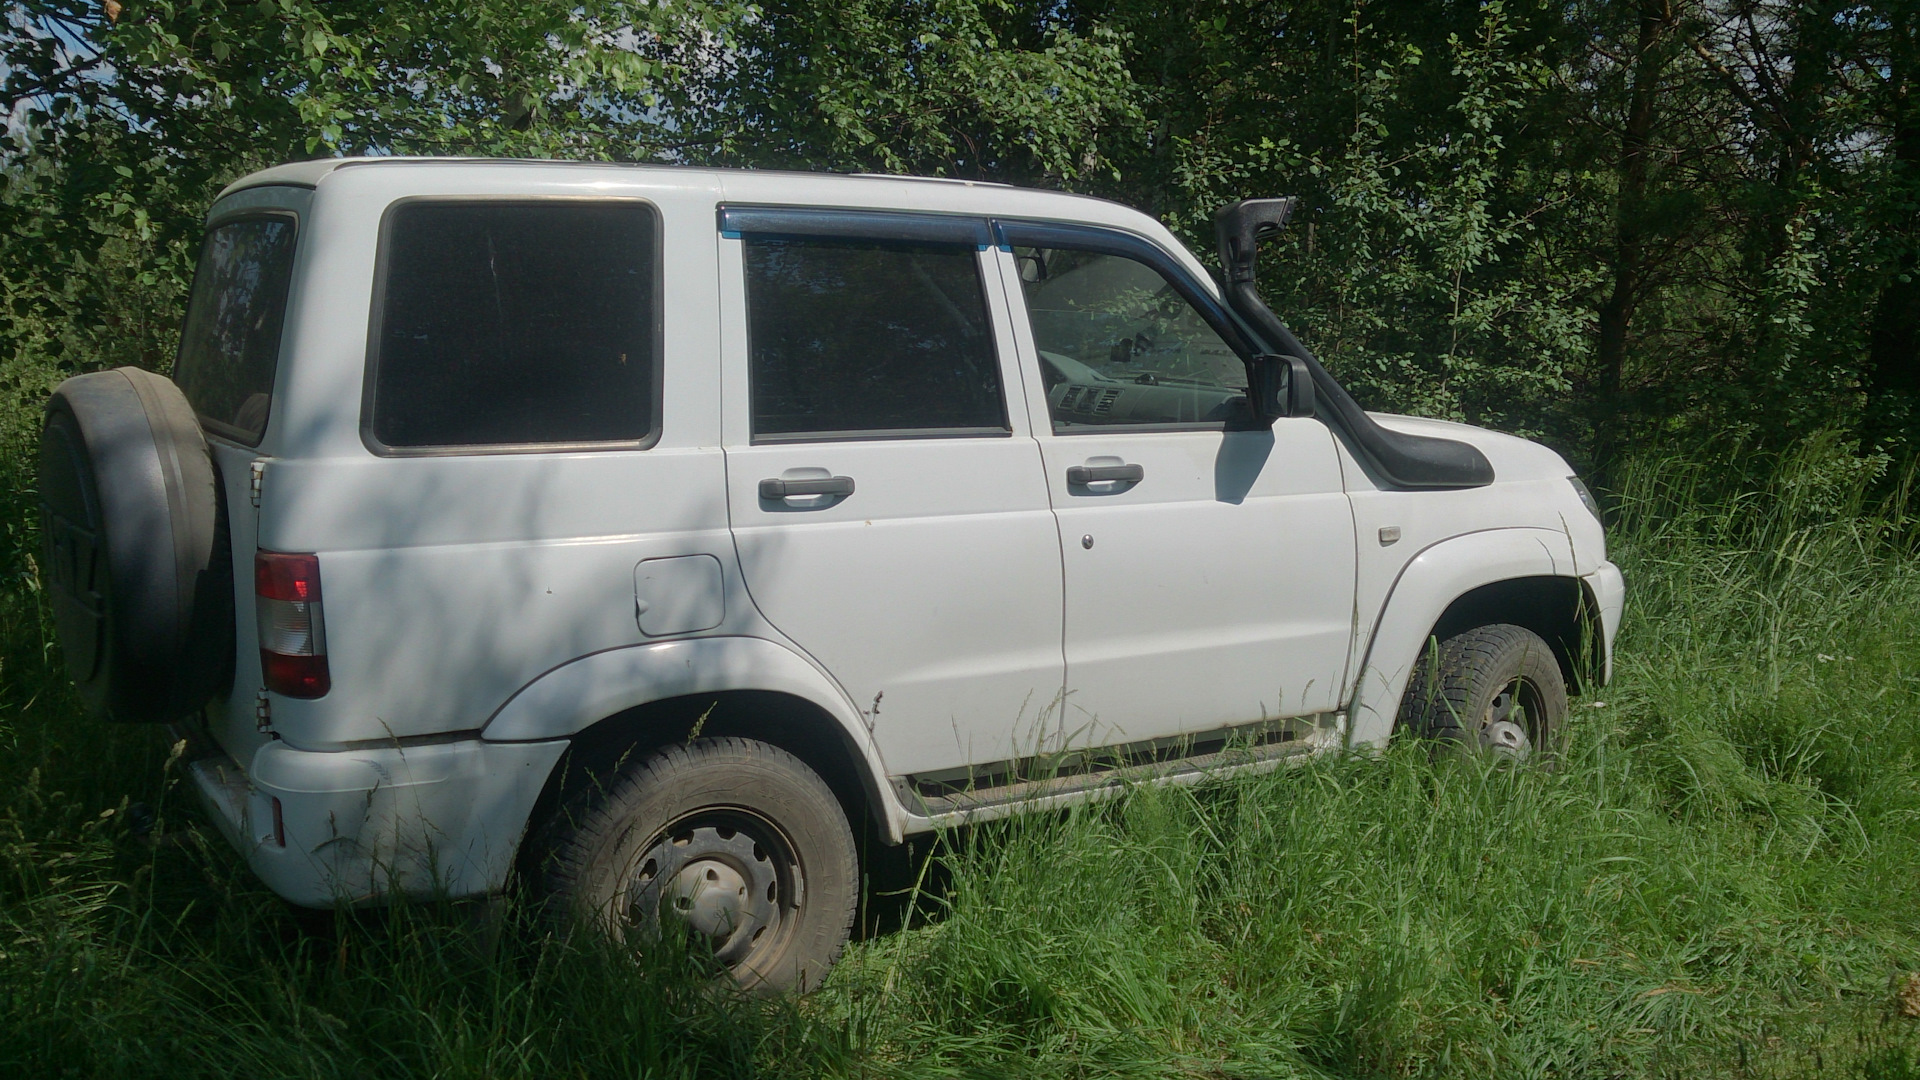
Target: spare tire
[[136, 560]]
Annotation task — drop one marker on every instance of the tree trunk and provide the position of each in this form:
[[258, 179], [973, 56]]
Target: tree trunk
[[1802, 98], [1893, 343], [1629, 241]]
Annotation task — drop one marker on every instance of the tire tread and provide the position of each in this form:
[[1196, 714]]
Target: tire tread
[[1452, 675], [598, 816]]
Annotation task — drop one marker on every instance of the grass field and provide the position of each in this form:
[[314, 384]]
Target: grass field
[[1724, 879]]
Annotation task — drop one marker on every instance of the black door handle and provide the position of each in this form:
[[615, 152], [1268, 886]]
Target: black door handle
[[1093, 474], [776, 488]]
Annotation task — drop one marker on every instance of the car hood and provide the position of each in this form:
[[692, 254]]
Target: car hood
[[1512, 457]]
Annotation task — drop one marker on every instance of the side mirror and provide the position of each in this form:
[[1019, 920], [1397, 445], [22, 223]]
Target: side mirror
[[1279, 386]]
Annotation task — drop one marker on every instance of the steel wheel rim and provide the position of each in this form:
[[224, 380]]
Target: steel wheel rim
[[1509, 727], [724, 877]]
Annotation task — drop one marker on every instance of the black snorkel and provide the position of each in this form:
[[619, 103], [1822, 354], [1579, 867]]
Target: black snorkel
[[1402, 460]]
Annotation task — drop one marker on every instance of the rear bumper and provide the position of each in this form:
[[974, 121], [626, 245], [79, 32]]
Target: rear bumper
[[1609, 590], [437, 820]]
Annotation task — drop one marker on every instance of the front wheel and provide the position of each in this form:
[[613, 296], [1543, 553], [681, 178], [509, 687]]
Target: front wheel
[[735, 842], [1497, 689]]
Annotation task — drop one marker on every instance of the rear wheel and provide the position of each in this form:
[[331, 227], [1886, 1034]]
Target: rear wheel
[[731, 841], [1495, 689]]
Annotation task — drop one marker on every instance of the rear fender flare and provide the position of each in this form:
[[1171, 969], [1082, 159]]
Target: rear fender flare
[[580, 693], [1426, 587]]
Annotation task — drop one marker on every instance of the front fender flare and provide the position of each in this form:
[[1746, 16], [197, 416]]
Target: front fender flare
[[1427, 585], [576, 695]]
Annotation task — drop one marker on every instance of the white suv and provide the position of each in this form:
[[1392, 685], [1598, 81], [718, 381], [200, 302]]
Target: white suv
[[642, 528]]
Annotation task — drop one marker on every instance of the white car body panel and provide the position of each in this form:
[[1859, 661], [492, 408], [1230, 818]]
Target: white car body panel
[[435, 819], [573, 697], [482, 608], [432, 627], [231, 716], [890, 588], [1218, 591], [530, 557]]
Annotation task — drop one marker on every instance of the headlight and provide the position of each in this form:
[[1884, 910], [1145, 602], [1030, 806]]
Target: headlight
[[1586, 497]]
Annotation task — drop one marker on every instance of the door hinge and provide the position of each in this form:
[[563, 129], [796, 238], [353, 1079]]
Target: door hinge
[[263, 714], [255, 474]]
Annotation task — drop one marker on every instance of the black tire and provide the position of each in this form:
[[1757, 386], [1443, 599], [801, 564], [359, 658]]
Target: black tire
[[1496, 689], [748, 844], [136, 563]]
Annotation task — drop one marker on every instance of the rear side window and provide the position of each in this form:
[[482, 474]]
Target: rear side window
[[514, 324], [869, 338], [230, 344]]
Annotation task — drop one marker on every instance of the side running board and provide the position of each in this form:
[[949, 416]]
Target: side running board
[[981, 792]]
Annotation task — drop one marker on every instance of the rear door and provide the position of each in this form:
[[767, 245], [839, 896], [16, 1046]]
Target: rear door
[[887, 499], [228, 360], [1209, 563]]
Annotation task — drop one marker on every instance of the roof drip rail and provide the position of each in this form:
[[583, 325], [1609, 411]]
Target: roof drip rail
[[1403, 460]]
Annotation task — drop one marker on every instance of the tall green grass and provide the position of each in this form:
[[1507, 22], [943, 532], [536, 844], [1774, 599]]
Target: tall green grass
[[1724, 879]]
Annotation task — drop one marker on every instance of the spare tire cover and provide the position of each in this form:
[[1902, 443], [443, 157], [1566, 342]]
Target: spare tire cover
[[134, 540]]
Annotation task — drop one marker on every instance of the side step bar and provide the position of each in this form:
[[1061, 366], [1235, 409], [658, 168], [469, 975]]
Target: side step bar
[[983, 792]]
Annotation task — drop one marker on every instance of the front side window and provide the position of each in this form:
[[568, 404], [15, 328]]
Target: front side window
[[1120, 346], [514, 324], [851, 338], [230, 345]]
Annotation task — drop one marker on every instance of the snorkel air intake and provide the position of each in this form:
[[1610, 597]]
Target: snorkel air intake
[[1404, 461]]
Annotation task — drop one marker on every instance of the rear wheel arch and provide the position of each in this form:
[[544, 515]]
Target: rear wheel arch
[[786, 721], [737, 841]]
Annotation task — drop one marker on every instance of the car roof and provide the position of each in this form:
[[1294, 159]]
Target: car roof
[[309, 173], [925, 194]]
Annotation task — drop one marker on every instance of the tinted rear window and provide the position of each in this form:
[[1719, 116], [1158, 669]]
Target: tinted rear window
[[850, 338], [230, 344], [515, 323]]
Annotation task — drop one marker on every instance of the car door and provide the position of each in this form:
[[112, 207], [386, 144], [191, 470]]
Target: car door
[[1209, 563], [230, 352], [886, 494]]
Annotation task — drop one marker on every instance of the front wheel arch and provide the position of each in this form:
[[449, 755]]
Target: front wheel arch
[[1459, 579], [1561, 610]]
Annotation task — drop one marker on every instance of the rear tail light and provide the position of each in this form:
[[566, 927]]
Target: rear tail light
[[293, 635]]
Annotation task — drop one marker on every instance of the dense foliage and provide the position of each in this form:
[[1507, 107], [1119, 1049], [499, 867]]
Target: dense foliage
[[1608, 223]]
